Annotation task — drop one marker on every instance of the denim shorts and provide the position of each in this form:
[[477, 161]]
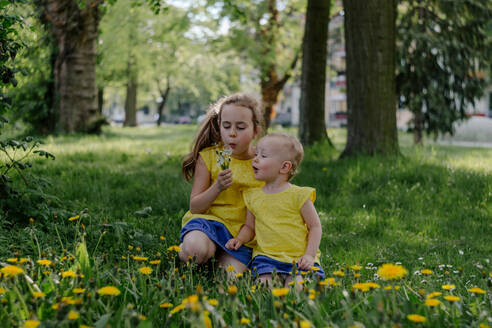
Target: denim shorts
[[263, 264], [218, 233]]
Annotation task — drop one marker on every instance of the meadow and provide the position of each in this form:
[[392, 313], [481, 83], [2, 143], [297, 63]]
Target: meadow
[[108, 257]]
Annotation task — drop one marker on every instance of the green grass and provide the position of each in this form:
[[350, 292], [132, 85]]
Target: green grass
[[429, 208]]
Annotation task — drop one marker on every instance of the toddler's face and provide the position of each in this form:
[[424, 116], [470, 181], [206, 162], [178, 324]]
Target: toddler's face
[[237, 129], [268, 159]]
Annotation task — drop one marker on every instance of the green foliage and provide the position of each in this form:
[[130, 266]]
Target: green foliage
[[444, 55], [21, 193]]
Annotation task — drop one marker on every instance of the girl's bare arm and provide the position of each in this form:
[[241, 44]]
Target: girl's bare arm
[[203, 194]]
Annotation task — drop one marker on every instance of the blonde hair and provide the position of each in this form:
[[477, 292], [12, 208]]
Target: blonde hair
[[209, 133], [294, 152]]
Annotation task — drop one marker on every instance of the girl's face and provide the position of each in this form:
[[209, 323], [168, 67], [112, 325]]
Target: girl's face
[[237, 130]]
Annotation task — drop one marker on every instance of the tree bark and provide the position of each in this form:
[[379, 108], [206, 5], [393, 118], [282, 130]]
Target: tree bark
[[312, 126], [271, 83], [371, 98], [75, 31], [131, 98], [100, 99], [162, 104]]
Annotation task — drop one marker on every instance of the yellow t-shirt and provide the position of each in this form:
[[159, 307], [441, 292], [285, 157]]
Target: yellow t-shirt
[[281, 233], [228, 208]]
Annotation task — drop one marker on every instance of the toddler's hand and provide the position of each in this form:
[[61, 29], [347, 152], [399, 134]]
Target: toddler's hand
[[224, 179], [233, 244], [306, 262]]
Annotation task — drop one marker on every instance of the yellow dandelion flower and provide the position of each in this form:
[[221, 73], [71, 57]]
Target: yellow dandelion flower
[[78, 290], [72, 315], [452, 298], [11, 270], [162, 238], [109, 290], [177, 309], [286, 316], [426, 271], [280, 291], [253, 288], [166, 305], [397, 287], [175, 248], [245, 321], [356, 275], [12, 260], [140, 258], [416, 318], [476, 290], [206, 320], [339, 273], [373, 285], [363, 287], [312, 296], [44, 262], [2, 290], [130, 247], [389, 287], [23, 260], [31, 323], [68, 274], [391, 271], [213, 302], [55, 306], [155, 262], [38, 294], [123, 257], [483, 325], [74, 218], [142, 317], [230, 268], [277, 304], [305, 324], [145, 270], [85, 326], [314, 268], [448, 287], [432, 302], [356, 267], [31, 220], [239, 275], [434, 294], [232, 290]]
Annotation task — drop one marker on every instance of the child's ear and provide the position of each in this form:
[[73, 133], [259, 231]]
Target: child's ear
[[286, 166]]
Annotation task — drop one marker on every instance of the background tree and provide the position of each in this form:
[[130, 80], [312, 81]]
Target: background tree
[[444, 53], [313, 79], [270, 36], [370, 46]]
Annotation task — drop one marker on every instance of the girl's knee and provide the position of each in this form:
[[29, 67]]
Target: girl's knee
[[198, 249]]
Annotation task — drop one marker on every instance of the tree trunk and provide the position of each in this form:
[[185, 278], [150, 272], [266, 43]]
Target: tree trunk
[[418, 128], [312, 126], [75, 31], [131, 101], [370, 46], [162, 104], [100, 100]]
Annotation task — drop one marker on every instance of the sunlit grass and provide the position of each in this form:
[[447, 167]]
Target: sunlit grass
[[428, 209]]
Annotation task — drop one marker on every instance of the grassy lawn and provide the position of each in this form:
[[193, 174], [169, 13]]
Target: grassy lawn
[[431, 208]]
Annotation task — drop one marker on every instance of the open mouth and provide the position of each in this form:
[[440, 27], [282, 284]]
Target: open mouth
[[255, 170], [232, 145]]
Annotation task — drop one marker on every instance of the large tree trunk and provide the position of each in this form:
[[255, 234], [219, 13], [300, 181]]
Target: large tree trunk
[[370, 46], [75, 31], [313, 80], [131, 100]]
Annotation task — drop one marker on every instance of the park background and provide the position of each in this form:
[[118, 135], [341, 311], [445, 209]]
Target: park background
[[101, 99]]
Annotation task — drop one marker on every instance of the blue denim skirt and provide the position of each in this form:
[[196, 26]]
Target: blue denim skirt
[[218, 233]]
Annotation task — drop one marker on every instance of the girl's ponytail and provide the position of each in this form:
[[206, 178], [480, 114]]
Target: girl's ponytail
[[209, 133]]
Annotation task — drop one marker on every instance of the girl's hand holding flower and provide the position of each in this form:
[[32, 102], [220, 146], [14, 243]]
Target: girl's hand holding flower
[[224, 179]]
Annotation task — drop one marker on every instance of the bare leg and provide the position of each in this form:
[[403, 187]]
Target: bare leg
[[224, 260], [289, 279], [266, 279], [196, 244]]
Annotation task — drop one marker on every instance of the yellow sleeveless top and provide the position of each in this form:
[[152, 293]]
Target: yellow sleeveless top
[[228, 208], [281, 233]]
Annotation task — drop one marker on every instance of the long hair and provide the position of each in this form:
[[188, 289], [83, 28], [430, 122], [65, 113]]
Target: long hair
[[209, 133]]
